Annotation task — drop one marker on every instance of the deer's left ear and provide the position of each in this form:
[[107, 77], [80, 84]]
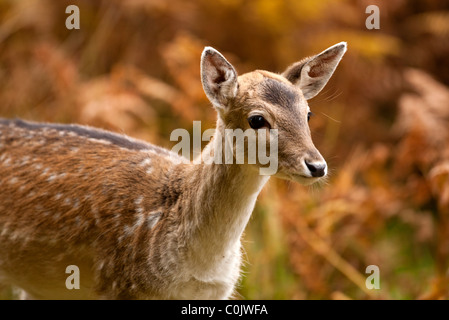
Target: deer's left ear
[[312, 74]]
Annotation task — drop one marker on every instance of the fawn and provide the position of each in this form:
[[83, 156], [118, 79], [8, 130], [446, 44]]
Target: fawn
[[136, 222]]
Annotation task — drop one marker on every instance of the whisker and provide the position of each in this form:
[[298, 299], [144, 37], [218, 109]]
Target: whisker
[[335, 120], [334, 95]]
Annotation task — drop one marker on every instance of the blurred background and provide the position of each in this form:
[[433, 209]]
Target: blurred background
[[382, 122]]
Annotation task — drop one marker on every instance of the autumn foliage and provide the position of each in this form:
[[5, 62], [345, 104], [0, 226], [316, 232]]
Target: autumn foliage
[[382, 122]]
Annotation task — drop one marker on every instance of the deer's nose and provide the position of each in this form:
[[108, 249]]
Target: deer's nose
[[317, 169]]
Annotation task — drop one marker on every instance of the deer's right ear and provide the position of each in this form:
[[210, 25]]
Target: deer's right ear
[[218, 76]]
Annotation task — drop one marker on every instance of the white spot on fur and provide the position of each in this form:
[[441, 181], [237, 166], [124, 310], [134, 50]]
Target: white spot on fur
[[101, 266], [76, 203], [127, 231], [56, 176], [138, 202], [6, 161], [24, 160], [13, 180], [153, 219], [140, 219], [100, 141], [95, 213], [52, 177], [13, 236], [5, 229], [145, 162], [94, 209], [148, 151]]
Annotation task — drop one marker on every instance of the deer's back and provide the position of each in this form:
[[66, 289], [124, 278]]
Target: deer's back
[[68, 190]]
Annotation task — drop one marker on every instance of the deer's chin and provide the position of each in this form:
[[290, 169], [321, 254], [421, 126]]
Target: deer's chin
[[299, 178]]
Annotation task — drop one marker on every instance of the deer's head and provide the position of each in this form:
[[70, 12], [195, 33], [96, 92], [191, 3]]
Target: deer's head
[[263, 100]]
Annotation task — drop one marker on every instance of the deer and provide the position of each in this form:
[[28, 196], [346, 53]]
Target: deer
[[135, 221]]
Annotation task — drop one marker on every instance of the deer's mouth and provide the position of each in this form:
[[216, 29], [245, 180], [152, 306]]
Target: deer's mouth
[[299, 178], [303, 179]]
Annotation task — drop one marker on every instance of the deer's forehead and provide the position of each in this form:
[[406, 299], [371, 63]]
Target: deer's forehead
[[272, 89]]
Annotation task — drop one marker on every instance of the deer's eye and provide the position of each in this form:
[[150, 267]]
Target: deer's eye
[[309, 115], [257, 122]]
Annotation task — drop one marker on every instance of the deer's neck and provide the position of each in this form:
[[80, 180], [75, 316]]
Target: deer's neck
[[219, 204]]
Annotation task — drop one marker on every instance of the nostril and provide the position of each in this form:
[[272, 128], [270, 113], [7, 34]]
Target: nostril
[[311, 167], [316, 169]]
